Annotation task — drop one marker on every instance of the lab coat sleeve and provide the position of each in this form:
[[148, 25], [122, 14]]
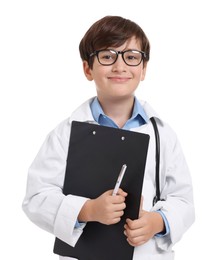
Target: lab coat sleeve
[[177, 191], [44, 203]]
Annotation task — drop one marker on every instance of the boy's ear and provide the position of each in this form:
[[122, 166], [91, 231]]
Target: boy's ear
[[87, 71], [144, 72]]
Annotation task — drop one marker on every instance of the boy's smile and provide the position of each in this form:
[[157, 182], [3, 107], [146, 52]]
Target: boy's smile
[[119, 79]]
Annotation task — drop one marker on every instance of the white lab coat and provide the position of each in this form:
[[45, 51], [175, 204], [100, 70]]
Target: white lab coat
[[50, 209]]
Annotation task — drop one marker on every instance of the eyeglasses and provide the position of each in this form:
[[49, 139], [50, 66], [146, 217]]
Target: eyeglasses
[[108, 57]]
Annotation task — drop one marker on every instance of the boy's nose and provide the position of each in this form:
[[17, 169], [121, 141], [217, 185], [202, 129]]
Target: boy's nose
[[119, 63]]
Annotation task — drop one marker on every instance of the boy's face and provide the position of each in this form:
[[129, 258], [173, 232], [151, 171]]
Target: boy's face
[[117, 80]]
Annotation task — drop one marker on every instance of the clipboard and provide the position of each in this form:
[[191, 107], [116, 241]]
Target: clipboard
[[95, 156]]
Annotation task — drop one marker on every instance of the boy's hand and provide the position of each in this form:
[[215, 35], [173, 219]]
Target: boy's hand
[[106, 209], [148, 224]]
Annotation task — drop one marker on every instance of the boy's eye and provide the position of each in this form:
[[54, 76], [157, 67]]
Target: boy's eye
[[107, 56], [131, 57]]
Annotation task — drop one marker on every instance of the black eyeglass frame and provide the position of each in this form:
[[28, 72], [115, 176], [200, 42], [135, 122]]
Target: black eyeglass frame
[[143, 56]]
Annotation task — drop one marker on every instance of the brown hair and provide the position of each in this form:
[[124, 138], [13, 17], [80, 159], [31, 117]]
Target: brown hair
[[111, 31]]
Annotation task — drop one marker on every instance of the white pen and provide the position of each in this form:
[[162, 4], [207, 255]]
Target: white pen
[[119, 179]]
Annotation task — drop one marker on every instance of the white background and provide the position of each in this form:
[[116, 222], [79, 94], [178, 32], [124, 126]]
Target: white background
[[41, 83]]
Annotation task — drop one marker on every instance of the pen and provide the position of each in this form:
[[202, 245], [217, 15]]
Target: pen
[[119, 179]]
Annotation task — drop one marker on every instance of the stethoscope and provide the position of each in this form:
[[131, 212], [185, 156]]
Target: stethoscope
[[157, 158]]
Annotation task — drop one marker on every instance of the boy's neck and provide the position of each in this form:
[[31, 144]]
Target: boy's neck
[[118, 110]]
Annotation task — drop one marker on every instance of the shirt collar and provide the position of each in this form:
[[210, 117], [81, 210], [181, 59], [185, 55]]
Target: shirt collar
[[137, 110]]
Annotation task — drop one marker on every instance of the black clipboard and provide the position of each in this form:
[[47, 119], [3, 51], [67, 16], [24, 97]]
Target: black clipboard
[[95, 156]]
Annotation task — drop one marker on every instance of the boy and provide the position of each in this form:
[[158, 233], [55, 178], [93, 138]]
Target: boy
[[115, 52]]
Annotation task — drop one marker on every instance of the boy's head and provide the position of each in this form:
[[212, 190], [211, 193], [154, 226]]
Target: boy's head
[[111, 31]]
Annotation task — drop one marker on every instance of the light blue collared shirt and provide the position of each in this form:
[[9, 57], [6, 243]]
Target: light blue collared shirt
[[138, 118]]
